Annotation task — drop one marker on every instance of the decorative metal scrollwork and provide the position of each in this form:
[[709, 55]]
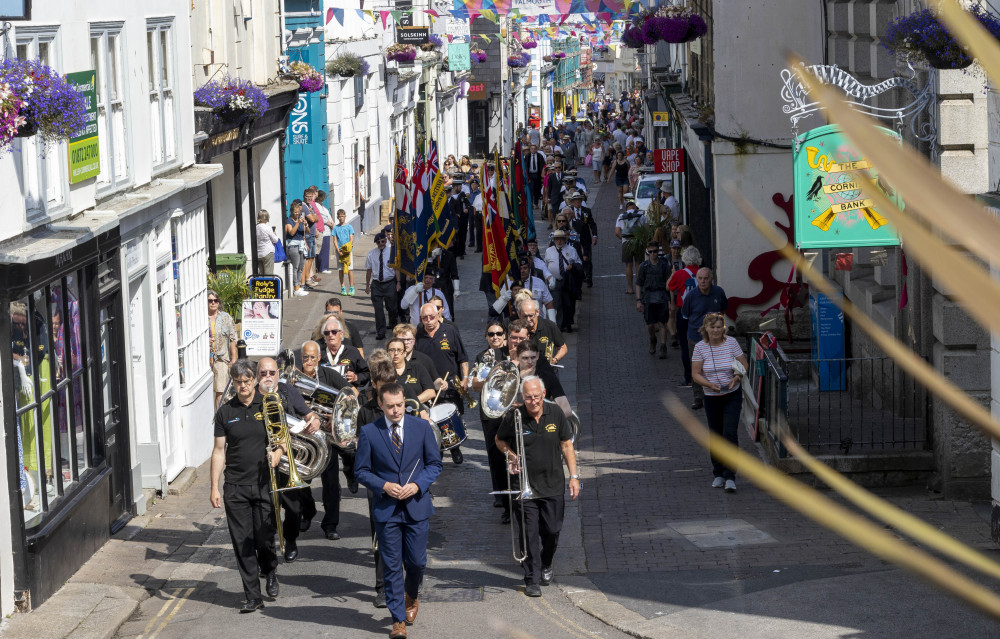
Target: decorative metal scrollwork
[[798, 105]]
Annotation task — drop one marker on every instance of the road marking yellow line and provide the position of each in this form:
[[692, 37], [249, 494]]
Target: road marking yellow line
[[554, 618], [573, 624], [180, 598]]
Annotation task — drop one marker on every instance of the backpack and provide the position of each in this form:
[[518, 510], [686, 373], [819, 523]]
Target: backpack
[[689, 285]]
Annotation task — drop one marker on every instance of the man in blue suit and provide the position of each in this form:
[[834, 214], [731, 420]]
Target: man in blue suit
[[398, 460]]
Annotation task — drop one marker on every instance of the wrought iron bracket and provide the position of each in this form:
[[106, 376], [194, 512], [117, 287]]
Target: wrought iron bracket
[[799, 106]]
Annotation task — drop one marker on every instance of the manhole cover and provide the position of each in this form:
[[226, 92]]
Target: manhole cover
[[452, 594]]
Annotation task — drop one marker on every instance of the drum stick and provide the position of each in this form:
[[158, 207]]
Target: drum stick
[[434, 403]]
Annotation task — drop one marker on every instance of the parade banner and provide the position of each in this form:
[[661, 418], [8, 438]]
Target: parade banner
[[422, 214], [404, 228], [831, 210], [495, 260], [262, 327]]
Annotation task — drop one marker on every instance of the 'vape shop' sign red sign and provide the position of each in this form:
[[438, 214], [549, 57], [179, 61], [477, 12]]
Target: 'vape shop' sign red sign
[[668, 161]]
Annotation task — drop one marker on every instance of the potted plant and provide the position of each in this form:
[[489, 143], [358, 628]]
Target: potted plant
[[530, 43], [477, 56], [921, 38], [232, 99], [433, 43], [345, 64], [632, 37], [518, 61], [232, 289], [558, 55], [401, 53], [310, 80], [672, 24], [35, 100]]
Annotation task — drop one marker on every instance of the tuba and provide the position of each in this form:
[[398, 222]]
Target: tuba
[[500, 389], [344, 422], [310, 450]]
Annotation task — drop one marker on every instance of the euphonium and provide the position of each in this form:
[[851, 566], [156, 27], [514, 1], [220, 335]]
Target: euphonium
[[500, 389], [344, 421], [310, 450]]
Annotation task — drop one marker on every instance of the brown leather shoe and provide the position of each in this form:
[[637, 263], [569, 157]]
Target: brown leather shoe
[[412, 606], [398, 630]]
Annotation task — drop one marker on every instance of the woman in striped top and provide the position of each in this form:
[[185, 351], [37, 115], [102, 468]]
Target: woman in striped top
[[712, 368]]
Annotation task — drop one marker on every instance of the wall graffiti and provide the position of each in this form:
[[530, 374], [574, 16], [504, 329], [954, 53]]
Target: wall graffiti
[[761, 266]]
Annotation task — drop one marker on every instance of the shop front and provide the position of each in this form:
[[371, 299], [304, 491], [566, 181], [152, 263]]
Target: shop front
[[65, 385]]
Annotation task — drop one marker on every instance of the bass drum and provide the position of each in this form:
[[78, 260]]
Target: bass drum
[[449, 423]]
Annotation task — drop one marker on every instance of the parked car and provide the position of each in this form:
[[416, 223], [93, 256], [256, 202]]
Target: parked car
[[645, 188]]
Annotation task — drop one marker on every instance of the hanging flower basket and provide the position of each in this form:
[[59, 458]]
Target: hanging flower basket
[[546, 58], [346, 65], [671, 24], [632, 37], [401, 53], [310, 80], [921, 38], [477, 56], [558, 55], [529, 44], [35, 100], [232, 100], [433, 43], [518, 61]]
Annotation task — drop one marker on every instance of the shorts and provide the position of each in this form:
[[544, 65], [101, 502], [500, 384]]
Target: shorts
[[657, 313], [606, 161], [220, 370], [346, 265], [621, 182], [626, 258], [310, 247]]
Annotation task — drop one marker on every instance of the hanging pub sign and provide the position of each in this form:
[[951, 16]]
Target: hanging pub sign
[[413, 35], [831, 208]]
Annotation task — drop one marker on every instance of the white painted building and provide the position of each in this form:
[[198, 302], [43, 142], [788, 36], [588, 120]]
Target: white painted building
[[104, 292]]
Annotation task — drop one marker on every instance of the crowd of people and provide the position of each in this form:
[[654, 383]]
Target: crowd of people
[[413, 391]]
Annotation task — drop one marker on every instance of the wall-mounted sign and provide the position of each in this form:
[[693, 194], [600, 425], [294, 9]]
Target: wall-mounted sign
[[265, 287], [477, 91], [458, 57], [661, 118], [298, 121], [84, 148], [668, 161], [831, 209], [412, 35]]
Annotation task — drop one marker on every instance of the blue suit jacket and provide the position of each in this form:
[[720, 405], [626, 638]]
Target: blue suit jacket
[[376, 463]]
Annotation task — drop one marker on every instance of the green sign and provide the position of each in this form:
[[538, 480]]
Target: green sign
[[84, 149], [831, 210], [458, 57]]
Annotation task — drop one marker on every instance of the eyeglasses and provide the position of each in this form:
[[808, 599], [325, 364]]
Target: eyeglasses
[[213, 301], [427, 317], [495, 333], [246, 381], [651, 251], [407, 339], [530, 315], [308, 357], [333, 331], [267, 373], [396, 350]]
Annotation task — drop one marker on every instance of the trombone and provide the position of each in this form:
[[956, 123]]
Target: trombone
[[279, 435], [499, 395]]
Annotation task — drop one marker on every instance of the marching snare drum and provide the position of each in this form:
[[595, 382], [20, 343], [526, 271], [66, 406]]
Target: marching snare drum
[[448, 421]]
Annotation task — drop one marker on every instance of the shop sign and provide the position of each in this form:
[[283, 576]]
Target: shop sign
[[412, 35], [265, 287], [477, 91], [84, 149], [298, 121], [668, 161], [831, 209], [661, 118], [262, 327], [458, 57]]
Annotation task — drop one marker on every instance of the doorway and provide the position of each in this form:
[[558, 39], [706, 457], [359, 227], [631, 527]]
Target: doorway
[[114, 419], [480, 142]]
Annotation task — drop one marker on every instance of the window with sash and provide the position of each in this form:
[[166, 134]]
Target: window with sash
[[162, 111], [42, 172], [107, 57]]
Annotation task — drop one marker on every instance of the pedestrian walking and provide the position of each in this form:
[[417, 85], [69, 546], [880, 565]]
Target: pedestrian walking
[[295, 246], [652, 297], [222, 342], [266, 239], [719, 366], [343, 244], [705, 298], [383, 288], [679, 283]]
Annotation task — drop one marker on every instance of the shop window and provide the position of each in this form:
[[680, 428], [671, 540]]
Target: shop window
[[53, 373], [42, 171], [162, 114], [107, 59], [359, 91], [190, 271]]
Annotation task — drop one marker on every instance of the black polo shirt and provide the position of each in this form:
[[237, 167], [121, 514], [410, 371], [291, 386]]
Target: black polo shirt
[[350, 358], [425, 361], [415, 379], [355, 334], [445, 349], [548, 333], [246, 441], [542, 447]]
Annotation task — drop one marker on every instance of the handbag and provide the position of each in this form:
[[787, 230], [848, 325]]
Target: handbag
[[279, 252], [588, 159]]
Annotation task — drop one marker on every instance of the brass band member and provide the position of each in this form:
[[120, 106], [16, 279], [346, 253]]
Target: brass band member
[[413, 376], [444, 346], [241, 449], [547, 443], [496, 352], [294, 502]]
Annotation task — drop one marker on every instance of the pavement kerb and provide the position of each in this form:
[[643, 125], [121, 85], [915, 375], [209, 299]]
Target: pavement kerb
[[79, 611], [588, 598]]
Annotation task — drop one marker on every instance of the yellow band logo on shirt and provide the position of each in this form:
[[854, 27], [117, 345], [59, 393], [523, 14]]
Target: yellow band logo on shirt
[[410, 379], [445, 346], [550, 428], [259, 416]]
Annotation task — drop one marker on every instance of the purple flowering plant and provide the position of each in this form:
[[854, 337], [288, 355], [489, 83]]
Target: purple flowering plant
[[920, 37], [558, 55], [477, 56], [232, 99], [33, 97], [310, 80], [518, 61], [530, 43], [401, 53], [672, 24]]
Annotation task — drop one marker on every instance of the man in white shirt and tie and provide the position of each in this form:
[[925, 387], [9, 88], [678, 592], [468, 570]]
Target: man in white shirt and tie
[[421, 293], [535, 161], [561, 259], [383, 289]]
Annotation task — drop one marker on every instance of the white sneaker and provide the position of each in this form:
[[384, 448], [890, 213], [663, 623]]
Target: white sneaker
[[730, 486], [718, 482], [301, 292]]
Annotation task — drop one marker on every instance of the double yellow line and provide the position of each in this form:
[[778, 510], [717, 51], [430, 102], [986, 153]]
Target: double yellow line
[[170, 607]]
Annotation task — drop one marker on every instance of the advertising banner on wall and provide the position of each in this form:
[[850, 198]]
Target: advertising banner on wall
[[262, 327], [84, 148], [831, 210], [458, 57]]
